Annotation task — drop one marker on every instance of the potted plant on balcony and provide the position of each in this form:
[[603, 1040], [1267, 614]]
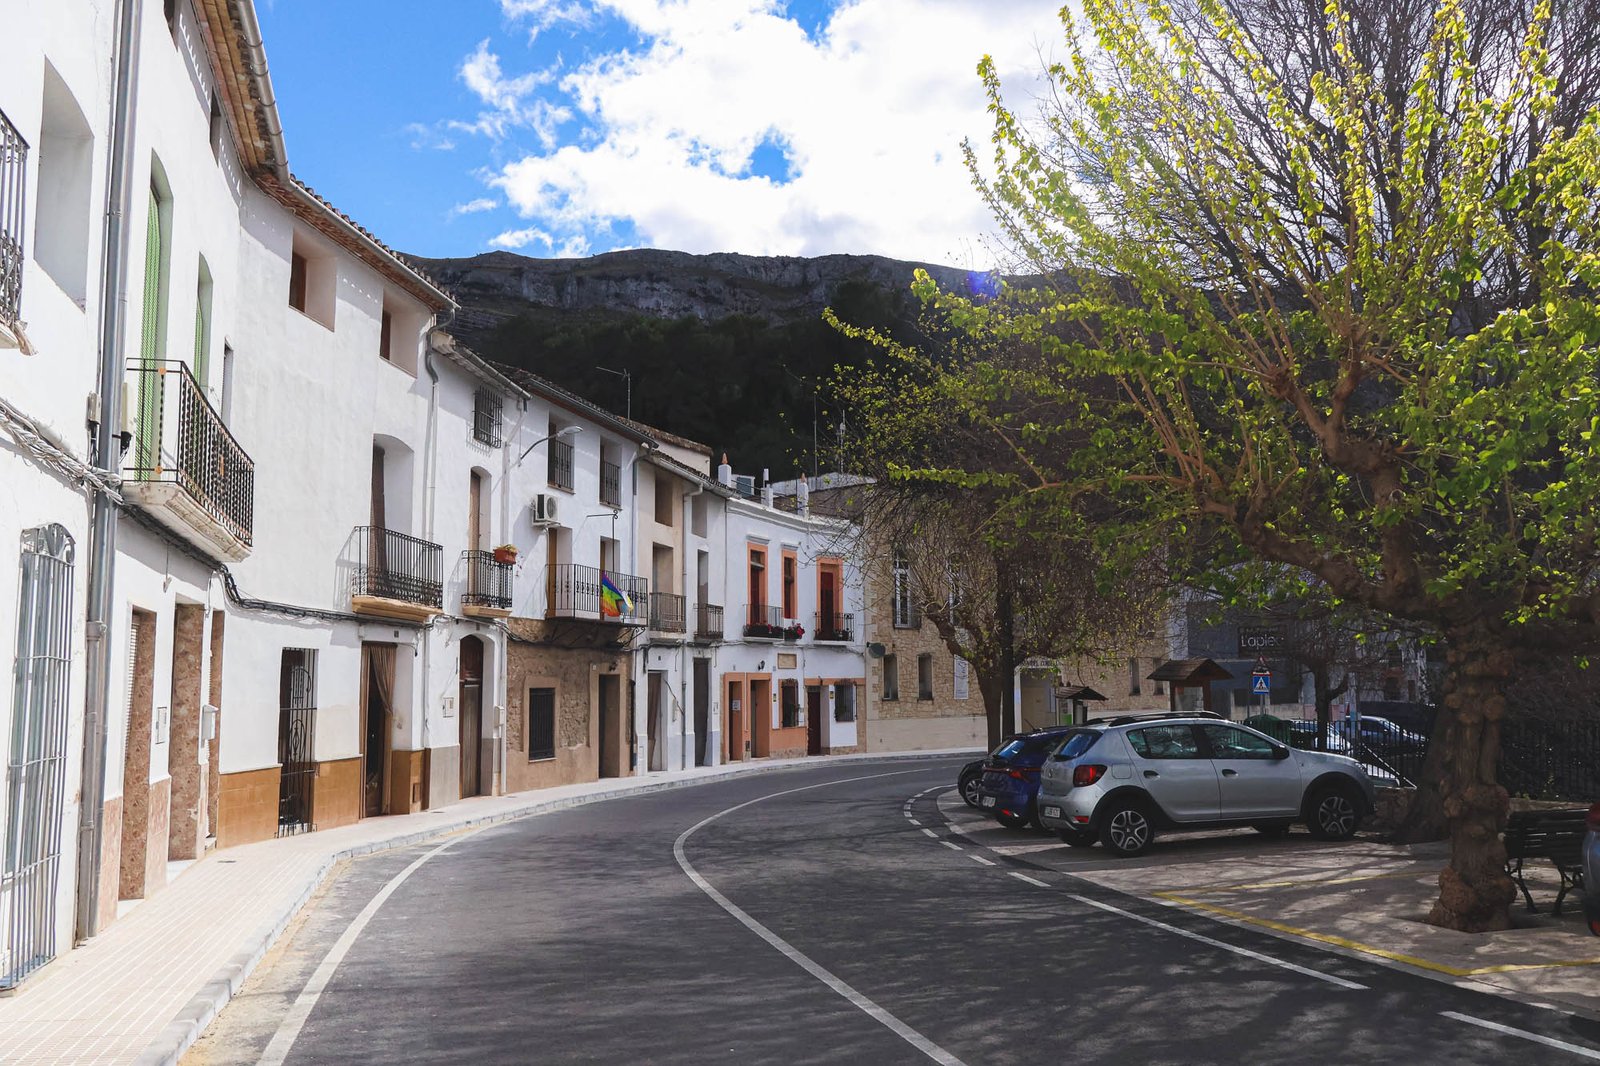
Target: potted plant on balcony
[[794, 631], [506, 554]]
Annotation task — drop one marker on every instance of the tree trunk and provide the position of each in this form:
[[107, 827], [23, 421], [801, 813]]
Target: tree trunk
[[990, 689], [1475, 892], [1006, 639]]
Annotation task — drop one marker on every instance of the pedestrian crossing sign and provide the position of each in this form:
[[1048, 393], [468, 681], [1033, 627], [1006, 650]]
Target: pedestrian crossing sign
[[1260, 684]]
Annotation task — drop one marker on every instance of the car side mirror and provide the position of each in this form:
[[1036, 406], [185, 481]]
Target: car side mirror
[[1280, 753]]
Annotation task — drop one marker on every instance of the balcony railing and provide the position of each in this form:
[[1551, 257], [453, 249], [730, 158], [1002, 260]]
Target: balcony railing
[[561, 464], [666, 612], [180, 439], [763, 622], [836, 627], [13, 218], [573, 591], [488, 582], [708, 622], [610, 484], [394, 566]]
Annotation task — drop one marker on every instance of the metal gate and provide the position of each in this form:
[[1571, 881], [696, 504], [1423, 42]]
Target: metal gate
[[37, 764], [297, 719]]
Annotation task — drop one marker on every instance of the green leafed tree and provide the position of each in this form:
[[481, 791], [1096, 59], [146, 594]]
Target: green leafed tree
[[1319, 286]]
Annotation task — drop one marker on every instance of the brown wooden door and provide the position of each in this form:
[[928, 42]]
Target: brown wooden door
[[813, 720], [471, 716]]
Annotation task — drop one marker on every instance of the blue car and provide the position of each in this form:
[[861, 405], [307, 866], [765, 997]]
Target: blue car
[[1010, 783]]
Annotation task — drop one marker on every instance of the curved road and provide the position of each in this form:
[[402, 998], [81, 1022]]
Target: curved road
[[823, 915]]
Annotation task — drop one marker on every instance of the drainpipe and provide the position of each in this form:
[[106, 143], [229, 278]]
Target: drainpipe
[[108, 456], [430, 459]]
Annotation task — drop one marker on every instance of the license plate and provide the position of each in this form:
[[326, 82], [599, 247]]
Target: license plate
[[1052, 812], [988, 801]]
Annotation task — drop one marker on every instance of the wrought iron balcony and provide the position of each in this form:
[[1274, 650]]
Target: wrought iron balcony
[[13, 218], [186, 470], [610, 484], [395, 575], [835, 627], [708, 622], [560, 464], [573, 591], [488, 591], [763, 622], [666, 612]]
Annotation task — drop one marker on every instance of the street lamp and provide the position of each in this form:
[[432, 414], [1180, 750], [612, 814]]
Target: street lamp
[[564, 431]]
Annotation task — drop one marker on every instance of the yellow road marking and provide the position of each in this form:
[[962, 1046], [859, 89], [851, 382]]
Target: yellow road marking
[[1316, 881], [1368, 949]]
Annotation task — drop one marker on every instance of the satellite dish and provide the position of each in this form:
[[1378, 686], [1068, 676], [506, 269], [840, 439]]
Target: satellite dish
[[876, 650]]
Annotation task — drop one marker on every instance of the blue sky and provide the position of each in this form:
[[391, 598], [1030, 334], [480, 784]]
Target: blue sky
[[568, 127]]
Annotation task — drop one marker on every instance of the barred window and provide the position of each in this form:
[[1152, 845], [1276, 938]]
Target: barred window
[[486, 417], [541, 724]]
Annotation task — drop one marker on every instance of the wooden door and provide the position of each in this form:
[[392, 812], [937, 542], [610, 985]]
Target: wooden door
[[813, 720], [470, 705]]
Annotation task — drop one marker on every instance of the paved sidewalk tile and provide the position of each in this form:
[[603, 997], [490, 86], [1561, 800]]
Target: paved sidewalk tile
[[143, 989]]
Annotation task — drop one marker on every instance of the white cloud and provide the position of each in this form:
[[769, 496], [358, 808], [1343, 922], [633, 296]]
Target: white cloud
[[511, 102], [473, 207], [870, 112], [575, 246], [542, 14]]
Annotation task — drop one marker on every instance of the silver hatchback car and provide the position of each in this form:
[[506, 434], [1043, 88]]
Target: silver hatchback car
[[1120, 781]]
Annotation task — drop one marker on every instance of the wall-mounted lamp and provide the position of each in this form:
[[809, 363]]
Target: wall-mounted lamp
[[564, 431]]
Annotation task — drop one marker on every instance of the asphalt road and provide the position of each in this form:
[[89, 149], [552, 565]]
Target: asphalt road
[[819, 916]]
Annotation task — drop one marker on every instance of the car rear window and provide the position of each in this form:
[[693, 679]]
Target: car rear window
[[1077, 744], [1009, 748]]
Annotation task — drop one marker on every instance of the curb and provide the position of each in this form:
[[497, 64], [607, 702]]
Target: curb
[[181, 1033]]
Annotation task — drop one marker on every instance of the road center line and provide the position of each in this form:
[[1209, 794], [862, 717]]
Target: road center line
[[1548, 1041], [931, 833], [951, 845], [915, 822], [980, 858], [294, 1020], [1031, 880], [1246, 952], [793, 954]]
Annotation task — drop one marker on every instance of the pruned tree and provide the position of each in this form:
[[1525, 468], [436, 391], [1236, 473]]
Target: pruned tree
[[1338, 270]]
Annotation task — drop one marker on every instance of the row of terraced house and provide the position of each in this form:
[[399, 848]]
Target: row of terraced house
[[288, 556]]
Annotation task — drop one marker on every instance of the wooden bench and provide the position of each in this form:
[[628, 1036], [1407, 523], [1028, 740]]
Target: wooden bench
[[1555, 835]]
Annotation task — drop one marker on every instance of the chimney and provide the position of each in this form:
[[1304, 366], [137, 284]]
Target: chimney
[[725, 473], [802, 497]]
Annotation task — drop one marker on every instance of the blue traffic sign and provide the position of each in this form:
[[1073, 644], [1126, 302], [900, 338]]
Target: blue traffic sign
[[1260, 684]]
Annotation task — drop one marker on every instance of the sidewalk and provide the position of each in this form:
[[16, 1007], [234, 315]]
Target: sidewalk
[[144, 989]]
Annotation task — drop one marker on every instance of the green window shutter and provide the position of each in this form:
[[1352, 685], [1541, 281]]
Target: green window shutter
[[148, 453], [202, 335]]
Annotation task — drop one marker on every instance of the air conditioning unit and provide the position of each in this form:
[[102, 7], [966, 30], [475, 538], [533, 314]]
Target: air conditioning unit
[[544, 509]]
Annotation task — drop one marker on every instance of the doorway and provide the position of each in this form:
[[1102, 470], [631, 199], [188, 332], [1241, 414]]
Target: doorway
[[813, 720], [733, 727], [702, 710], [611, 762], [377, 709], [760, 717], [471, 716], [654, 691]]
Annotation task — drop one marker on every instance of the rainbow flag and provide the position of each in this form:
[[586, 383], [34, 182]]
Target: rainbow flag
[[614, 603]]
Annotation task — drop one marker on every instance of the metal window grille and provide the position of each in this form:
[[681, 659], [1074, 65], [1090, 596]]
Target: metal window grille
[[561, 464], [610, 484], [486, 417], [13, 212], [904, 609], [541, 723], [36, 767], [708, 622], [844, 703], [791, 705], [297, 726]]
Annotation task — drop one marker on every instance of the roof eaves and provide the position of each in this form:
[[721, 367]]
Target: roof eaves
[[574, 403]]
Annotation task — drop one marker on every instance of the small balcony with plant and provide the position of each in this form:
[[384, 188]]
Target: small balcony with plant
[[184, 468], [488, 574], [835, 628], [762, 622]]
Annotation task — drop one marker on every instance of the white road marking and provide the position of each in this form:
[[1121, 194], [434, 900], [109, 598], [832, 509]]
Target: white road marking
[[980, 858], [931, 833], [794, 955], [277, 1050], [950, 845], [1246, 952], [1031, 880], [1547, 1041], [915, 822]]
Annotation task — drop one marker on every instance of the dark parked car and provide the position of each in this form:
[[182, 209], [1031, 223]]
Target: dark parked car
[[1010, 780], [969, 780]]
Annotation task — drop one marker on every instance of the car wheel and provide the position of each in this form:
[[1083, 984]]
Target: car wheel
[[969, 785], [1013, 821], [1077, 838], [1126, 830], [1271, 829], [1333, 814]]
